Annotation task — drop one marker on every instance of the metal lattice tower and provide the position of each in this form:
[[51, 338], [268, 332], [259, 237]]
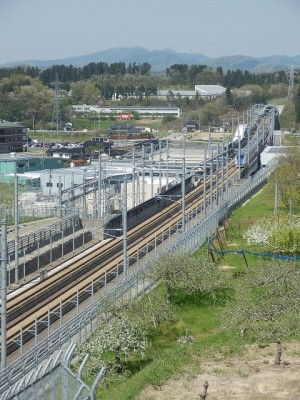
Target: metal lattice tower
[[56, 106], [290, 75]]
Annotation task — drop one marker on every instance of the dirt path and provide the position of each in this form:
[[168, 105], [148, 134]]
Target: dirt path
[[254, 376]]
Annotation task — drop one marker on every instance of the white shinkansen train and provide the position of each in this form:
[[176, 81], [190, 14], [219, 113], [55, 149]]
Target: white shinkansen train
[[242, 155]]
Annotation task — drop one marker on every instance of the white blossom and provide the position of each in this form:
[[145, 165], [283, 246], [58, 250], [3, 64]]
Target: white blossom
[[280, 235], [118, 335], [259, 232]]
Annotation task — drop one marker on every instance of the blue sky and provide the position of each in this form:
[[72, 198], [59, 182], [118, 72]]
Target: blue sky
[[49, 30]]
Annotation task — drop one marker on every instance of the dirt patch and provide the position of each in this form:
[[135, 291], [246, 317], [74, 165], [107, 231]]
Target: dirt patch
[[254, 376]]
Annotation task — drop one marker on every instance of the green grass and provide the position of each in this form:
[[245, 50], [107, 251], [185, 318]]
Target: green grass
[[197, 316], [51, 136], [260, 206], [167, 358], [92, 126]]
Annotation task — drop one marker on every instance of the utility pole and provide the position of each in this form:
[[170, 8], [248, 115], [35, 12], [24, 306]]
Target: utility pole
[[276, 197], [217, 176], [151, 152], [60, 212], [183, 194], [239, 148], [133, 177], [3, 292], [99, 185], [16, 198], [222, 162], [184, 131], [211, 152], [204, 180], [143, 182], [227, 170], [124, 224]]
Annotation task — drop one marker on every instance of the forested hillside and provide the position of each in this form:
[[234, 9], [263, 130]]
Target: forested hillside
[[28, 92]]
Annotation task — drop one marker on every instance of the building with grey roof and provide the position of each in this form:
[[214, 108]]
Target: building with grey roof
[[118, 110], [13, 136], [271, 152], [210, 91], [206, 91]]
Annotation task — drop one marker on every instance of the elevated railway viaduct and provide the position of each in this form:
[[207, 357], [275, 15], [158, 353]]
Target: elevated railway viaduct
[[33, 310]]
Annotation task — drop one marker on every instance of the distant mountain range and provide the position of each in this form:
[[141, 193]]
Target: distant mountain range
[[162, 59]]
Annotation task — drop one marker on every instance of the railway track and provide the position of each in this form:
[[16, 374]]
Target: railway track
[[102, 261]]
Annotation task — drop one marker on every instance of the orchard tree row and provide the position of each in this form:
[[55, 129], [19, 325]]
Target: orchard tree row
[[252, 306]]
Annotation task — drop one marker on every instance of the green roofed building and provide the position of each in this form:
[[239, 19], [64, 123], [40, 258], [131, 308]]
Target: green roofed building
[[28, 168], [22, 163]]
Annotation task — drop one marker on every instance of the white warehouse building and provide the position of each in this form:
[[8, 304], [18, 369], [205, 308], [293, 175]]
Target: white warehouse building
[[206, 91], [116, 110], [210, 91]]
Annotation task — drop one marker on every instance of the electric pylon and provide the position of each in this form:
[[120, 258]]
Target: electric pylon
[[56, 119], [290, 75]]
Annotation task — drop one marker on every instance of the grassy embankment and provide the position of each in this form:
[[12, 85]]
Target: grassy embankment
[[197, 316]]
